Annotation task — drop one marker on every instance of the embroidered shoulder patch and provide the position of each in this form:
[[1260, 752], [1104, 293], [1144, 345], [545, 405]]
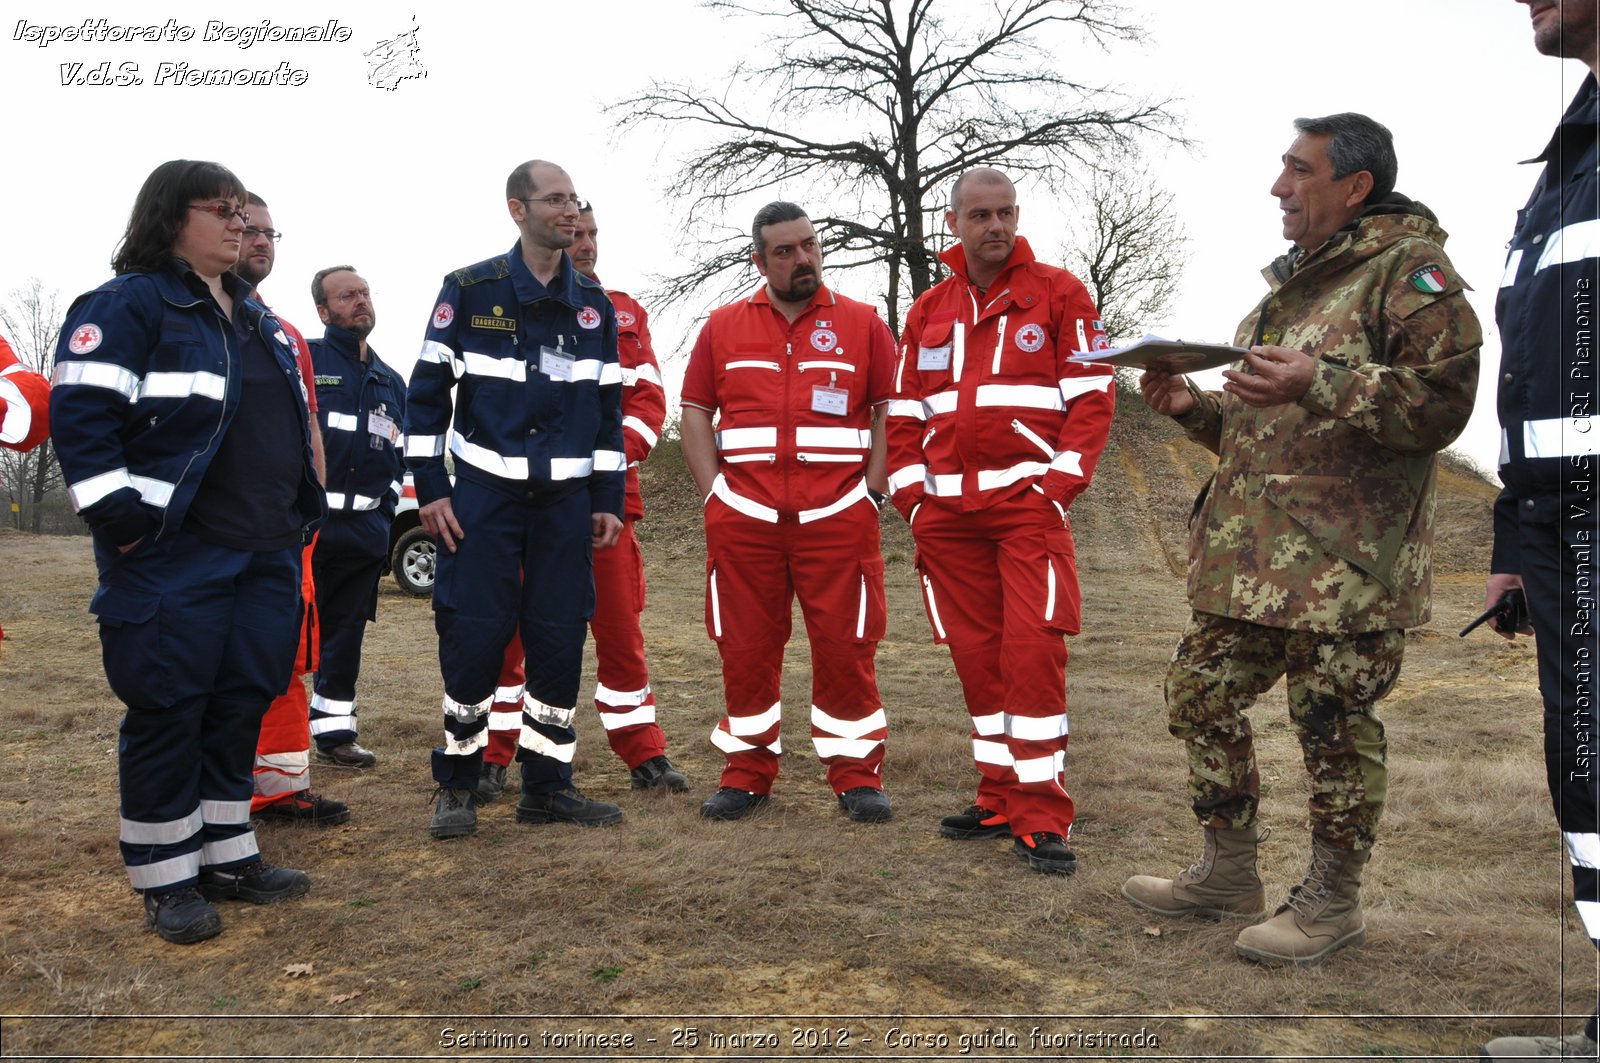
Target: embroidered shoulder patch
[[1429, 279]]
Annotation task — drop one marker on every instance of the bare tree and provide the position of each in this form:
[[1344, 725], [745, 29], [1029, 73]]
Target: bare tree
[[878, 105], [1128, 247], [31, 319]]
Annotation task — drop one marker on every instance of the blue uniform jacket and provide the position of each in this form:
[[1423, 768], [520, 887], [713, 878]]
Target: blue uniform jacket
[[1546, 312], [358, 403], [147, 380], [538, 389]]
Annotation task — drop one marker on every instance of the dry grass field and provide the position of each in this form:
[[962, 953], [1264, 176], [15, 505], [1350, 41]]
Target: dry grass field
[[797, 934]]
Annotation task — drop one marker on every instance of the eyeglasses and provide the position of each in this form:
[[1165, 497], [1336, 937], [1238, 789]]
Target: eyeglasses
[[557, 202], [225, 211], [251, 232]]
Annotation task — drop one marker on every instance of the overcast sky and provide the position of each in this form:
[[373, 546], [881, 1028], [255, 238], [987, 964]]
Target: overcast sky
[[407, 183]]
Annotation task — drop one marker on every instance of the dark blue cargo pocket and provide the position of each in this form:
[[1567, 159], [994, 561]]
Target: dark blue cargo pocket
[[130, 642]]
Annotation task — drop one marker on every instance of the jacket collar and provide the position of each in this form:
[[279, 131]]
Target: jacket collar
[[955, 257], [823, 297], [564, 287]]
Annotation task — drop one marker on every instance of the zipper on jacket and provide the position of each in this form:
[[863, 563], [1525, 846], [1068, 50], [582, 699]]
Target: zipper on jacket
[[222, 414], [999, 345], [1029, 434]]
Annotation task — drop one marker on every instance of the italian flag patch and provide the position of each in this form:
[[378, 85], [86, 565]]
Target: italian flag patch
[[1429, 279]]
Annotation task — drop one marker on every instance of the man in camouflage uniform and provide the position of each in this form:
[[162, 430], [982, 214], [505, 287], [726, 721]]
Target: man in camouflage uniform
[[1310, 554]]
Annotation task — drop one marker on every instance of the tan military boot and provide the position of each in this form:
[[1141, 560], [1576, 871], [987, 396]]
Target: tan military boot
[[1322, 914], [1223, 883]]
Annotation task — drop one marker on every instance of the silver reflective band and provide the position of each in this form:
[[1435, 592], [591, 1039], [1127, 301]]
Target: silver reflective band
[[344, 422], [96, 375], [1561, 437]]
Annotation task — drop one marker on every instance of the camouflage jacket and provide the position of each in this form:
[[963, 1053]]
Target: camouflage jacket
[[1320, 516]]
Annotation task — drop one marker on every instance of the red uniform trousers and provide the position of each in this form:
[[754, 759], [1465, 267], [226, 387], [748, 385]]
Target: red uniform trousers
[[283, 752], [754, 570], [1001, 589], [622, 695]]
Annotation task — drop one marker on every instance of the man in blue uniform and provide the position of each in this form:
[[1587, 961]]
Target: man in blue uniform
[[361, 408], [521, 351], [1545, 521]]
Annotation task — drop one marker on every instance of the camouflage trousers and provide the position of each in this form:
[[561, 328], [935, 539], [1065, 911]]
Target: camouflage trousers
[[1221, 666]]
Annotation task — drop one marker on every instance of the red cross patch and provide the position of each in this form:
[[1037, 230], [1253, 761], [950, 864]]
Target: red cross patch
[[824, 340], [1030, 338], [443, 314], [589, 318], [625, 319], [85, 339]]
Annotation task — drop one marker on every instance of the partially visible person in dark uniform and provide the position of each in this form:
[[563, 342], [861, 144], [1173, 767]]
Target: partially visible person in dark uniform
[[180, 419]]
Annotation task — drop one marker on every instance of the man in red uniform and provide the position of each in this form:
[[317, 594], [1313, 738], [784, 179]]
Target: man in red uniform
[[992, 433], [799, 376], [283, 752], [622, 694]]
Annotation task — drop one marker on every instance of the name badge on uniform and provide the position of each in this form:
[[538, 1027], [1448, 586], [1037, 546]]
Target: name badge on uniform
[[383, 426], [933, 358], [825, 399], [557, 365]]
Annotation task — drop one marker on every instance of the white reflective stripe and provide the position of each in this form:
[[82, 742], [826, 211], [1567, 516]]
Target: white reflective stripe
[[993, 723], [487, 460], [943, 485], [504, 720], [876, 721], [183, 385], [1571, 243], [729, 744], [424, 446], [825, 364], [1583, 848], [328, 724], [990, 479], [434, 351], [229, 850], [748, 507], [608, 696], [958, 349], [1049, 590], [941, 402], [332, 707], [1589, 912], [593, 369], [538, 743], [999, 345], [225, 812], [1561, 437], [285, 762], [1073, 386], [86, 493], [847, 748], [754, 725], [463, 711], [648, 434], [1036, 728], [911, 474], [649, 373], [985, 751], [851, 497], [1513, 261], [355, 503], [811, 436], [1505, 447], [577, 468], [167, 832], [550, 715], [484, 365], [861, 610], [343, 422], [271, 782], [754, 364], [96, 375], [1040, 769], [164, 873], [19, 415], [817, 455], [465, 747], [610, 373], [603, 461], [716, 607], [741, 459], [1032, 396], [1068, 461], [907, 408], [505, 694], [616, 721], [740, 438]]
